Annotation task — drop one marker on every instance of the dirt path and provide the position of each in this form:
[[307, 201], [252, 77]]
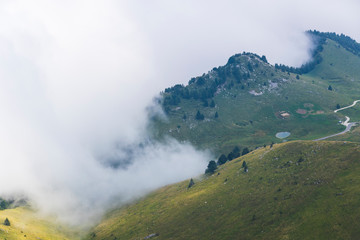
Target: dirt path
[[346, 123]]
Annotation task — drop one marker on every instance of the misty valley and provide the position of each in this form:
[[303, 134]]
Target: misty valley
[[109, 129]]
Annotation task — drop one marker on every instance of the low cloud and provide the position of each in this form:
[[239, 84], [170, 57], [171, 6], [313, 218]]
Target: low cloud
[[76, 78]]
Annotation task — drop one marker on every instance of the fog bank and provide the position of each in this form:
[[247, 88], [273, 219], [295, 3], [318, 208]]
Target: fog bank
[[76, 78]]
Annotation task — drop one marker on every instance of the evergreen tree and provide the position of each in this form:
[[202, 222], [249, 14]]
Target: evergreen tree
[[245, 151], [205, 103], [230, 156], [297, 77], [7, 222], [244, 164], [216, 115], [236, 152], [199, 116], [191, 183], [211, 167], [337, 106], [330, 88], [184, 117], [264, 59], [222, 159], [212, 103]]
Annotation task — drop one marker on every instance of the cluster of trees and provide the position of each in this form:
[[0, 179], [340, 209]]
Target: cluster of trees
[[309, 66], [347, 42], [199, 116], [232, 59], [204, 87], [5, 204], [235, 153], [319, 38], [206, 103], [174, 94]]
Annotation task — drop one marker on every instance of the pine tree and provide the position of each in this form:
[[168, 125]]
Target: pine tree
[[245, 151], [244, 164], [236, 152], [7, 222], [211, 167], [199, 116], [191, 183], [222, 159]]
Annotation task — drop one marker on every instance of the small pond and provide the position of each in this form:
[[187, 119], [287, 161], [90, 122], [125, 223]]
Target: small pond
[[282, 135]]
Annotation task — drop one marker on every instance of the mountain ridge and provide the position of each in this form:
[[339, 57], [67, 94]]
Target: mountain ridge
[[247, 78]]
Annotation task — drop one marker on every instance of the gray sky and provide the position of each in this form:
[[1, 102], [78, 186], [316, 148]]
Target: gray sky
[[76, 77]]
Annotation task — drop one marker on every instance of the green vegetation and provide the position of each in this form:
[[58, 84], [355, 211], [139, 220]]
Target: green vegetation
[[4, 204], [255, 100], [191, 183], [7, 222], [211, 167], [25, 223], [294, 190], [244, 119]]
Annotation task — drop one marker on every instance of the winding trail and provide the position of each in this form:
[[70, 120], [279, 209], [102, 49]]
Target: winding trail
[[346, 123]]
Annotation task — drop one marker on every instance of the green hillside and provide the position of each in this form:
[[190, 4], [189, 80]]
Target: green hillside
[[25, 223], [294, 190], [249, 95]]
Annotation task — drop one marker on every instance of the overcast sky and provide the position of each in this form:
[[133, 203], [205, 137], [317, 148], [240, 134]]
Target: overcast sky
[[76, 77]]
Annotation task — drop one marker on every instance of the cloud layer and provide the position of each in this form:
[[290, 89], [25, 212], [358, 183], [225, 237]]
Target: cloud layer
[[77, 76]]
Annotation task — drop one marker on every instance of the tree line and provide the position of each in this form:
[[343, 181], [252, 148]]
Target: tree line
[[235, 153], [204, 87]]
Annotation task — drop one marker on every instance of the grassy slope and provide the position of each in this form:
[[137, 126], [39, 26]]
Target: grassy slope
[[26, 224], [279, 198], [237, 107]]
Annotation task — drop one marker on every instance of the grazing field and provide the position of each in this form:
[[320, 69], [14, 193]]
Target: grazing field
[[252, 111], [27, 224], [294, 190]]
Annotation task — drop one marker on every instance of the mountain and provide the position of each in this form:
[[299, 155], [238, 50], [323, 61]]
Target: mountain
[[254, 100], [294, 190], [298, 189]]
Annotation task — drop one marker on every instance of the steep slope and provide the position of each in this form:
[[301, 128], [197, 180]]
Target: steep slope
[[294, 190], [249, 96], [27, 224]]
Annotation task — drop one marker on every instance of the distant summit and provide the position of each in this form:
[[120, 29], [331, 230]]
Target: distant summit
[[241, 103]]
